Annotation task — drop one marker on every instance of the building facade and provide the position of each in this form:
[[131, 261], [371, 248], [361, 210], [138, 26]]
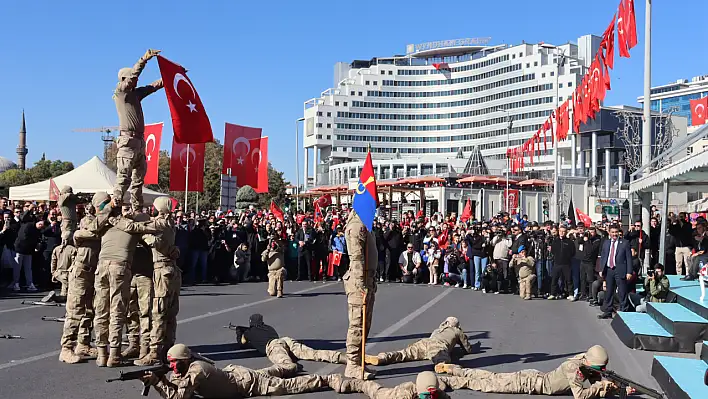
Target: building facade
[[676, 96], [427, 111]]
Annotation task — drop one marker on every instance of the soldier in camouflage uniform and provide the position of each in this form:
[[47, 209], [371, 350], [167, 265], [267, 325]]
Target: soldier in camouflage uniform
[[363, 259], [62, 259], [427, 386], [282, 352], [436, 348], [67, 202], [524, 267], [567, 378], [76, 337], [140, 302], [191, 377], [274, 257]]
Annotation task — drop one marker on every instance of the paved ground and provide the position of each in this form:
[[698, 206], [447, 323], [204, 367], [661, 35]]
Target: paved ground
[[515, 334]]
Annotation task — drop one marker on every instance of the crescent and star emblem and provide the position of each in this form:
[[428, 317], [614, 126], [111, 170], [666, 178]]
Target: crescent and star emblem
[[700, 112], [260, 157], [619, 26], [362, 186], [244, 141], [184, 158], [147, 145], [179, 77]]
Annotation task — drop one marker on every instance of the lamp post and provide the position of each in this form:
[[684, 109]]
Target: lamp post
[[647, 122], [297, 163], [510, 122]]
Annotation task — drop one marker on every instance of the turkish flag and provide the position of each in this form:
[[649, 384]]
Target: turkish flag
[[299, 218], [276, 211], [187, 158], [261, 165], [583, 218], [174, 203], [325, 200], [189, 119], [608, 43], [698, 111], [53, 191], [153, 134], [467, 212], [630, 24], [622, 31], [318, 213], [238, 153], [336, 258]]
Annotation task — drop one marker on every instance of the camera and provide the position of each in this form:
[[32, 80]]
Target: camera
[[650, 273]]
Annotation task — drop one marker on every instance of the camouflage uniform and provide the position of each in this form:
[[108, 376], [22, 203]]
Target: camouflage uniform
[[62, 259], [363, 255], [79, 308], [141, 294], [233, 381], [67, 206], [436, 348], [130, 162], [524, 268], [426, 383], [568, 378], [274, 257]]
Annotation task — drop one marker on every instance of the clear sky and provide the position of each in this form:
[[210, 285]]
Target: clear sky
[[255, 62]]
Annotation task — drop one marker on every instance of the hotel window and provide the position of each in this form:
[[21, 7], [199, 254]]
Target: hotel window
[[319, 124], [345, 103], [543, 75], [390, 72], [552, 73], [329, 126], [376, 83], [528, 65], [360, 94], [352, 93], [367, 82], [328, 136], [570, 84], [383, 72], [560, 85], [329, 114], [336, 103], [521, 55], [319, 113], [513, 56], [535, 63]]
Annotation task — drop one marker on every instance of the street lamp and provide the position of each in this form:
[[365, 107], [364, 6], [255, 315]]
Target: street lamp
[[560, 53], [297, 164], [509, 121]]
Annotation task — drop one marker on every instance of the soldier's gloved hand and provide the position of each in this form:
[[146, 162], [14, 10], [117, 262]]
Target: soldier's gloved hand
[[152, 53], [150, 379]]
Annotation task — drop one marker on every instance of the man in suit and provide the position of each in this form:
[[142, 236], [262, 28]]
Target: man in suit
[[616, 261], [305, 238]]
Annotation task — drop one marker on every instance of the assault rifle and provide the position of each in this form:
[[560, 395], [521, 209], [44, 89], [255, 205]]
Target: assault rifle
[[39, 303], [138, 374], [8, 336], [48, 318], [240, 330], [622, 383]]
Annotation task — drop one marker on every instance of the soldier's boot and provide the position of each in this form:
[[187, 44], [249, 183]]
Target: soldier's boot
[[102, 356], [144, 350], [114, 358], [151, 359], [443, 368], [85, 350], [131, 351], [373, 360], [354, 371], [68, 356], [341, 358]]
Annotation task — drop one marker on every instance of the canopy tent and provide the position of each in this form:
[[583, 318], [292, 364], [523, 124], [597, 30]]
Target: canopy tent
[[687, 174], [92, 177]]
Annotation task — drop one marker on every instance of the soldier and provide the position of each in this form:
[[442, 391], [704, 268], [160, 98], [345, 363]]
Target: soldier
[[140, 300], [568, 377], [131, 143], [280, 351], [363, 255], [76, 337], [113, 277], [436, 348], [274, 257], [67, 206], [524, 267], [167, 281], [62, 259], [427, 386], [191, 377]]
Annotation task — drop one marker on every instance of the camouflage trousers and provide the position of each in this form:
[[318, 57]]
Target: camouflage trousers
[[285, 352], [373, 390], [139, 310], [425, 349], [79, 308], [130, 168], [68, 227], [111, 302], [254, 383], [275, 282], [355, 296], [62, 276], [166, 281], [524, 381], [526, 286]]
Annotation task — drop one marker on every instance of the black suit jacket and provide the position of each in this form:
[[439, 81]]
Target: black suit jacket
[[623, 256]]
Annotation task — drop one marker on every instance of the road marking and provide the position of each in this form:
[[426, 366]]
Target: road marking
[[23, 308], [14, 363], [387, 332]]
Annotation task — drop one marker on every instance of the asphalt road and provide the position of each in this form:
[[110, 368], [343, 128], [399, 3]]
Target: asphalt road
[[514, 335]]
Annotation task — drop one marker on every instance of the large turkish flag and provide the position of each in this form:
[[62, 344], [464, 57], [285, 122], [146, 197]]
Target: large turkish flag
[[262, 166], [153, 136], [699, 109], [187, 156], [241, 147], [189, 119]]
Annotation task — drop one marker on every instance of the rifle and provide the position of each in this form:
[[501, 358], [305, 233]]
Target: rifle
[[8, 336], [240, 330], [48, 318], [38, 303], [138, 374], [623, 382]]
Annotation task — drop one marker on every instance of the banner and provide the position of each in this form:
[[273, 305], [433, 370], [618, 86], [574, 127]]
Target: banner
[[153, 137], [187, 156], [239, 152], [511, 197], [53, 191], [262, 166]]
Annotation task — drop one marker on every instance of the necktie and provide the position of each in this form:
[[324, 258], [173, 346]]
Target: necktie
[[612, 255]]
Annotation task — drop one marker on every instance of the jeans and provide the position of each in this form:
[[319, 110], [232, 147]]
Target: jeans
[[198, 257], [22, 262], [540, 274], [480, 264], [464, 275], [575, 273]]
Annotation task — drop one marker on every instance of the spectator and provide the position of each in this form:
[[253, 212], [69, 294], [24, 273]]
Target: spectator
[[305, 238], [26, 244], [616, 260], [435, 256], [563, 250], [199, 249], [591, 250], [656, 288], [682, 233], [410, 264], [339, 244], [500, 257], [242, 260]]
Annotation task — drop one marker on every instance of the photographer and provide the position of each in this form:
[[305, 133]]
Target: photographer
[[656, 287]]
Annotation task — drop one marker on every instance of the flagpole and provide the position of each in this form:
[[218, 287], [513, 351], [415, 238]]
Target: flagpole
[[186, 181]]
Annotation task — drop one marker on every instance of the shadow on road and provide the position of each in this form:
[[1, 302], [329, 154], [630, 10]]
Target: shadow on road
[[486, 361], [313, 294], [228, 351], [339, 343], [208, 294]]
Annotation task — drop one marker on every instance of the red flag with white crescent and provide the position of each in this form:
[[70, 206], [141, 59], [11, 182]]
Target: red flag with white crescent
[[53, 191], [241, 148], [259, 159], [189, 119], [276, 211], [698, 111], [153, 136], [187, 156]]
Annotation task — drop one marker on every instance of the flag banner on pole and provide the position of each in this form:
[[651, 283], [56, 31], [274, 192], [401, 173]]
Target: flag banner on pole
[[366, 198], [698, 111], [153, 137], [183, 157], [53, 191], [242, 154], [261, 164]]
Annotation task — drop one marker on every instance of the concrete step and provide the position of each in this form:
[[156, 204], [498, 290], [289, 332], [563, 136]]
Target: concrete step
[[686, 326], [680, 378], [641, 331]]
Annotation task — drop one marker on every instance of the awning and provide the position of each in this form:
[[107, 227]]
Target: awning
[[535, 183], [689, 174]]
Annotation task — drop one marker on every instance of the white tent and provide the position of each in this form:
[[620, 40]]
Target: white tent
[[92, 177]]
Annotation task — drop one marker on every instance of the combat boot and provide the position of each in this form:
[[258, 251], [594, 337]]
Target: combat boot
[[341, 358], [342, 385], [85, 350], [144, 350], [443, 368], [280, 294], [102, 356], [131, 351], [151, 359], [114, 358], [373, 360], [354, 371], [69, 357]]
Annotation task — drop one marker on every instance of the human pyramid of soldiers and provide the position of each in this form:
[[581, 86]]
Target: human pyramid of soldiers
[[118, 270]]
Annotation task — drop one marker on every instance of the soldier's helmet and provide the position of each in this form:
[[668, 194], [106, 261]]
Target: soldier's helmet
[[66, 189], [597, 356], [100, 198], [256, 319], [426, 382], [450, 322], [124, 73], [179, 352], [163, 204]]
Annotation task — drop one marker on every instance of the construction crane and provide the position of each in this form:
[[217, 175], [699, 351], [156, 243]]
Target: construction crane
[[108, 137]]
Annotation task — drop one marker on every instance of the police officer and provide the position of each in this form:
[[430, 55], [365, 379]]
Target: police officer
[[436, 348], [280, 351]]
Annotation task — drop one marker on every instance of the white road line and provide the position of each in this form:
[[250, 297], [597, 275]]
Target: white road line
[[25, 308], [14, 363], [388, 332]]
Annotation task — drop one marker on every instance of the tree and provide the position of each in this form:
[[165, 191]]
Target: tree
[[42, 170], [276, 188], [245, 197]]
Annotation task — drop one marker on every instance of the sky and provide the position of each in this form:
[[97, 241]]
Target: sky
[[255, 63]]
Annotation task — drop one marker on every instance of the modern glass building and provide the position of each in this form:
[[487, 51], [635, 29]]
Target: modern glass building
[[676, 96]]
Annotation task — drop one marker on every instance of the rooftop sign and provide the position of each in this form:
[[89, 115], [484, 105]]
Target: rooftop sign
[[414, 48]]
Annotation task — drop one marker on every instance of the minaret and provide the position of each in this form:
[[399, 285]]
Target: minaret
[[22, 146]]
